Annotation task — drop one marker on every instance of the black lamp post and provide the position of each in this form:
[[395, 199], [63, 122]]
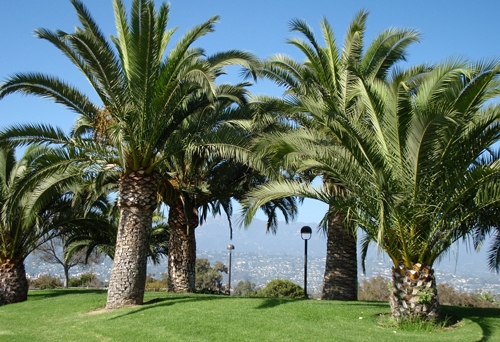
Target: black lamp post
[[305, 234], [230, 248]]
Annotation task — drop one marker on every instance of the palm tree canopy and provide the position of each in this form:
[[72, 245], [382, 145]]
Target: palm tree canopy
[[143, 90], [217, 164], [321, 88], [420, 166], [328, 72]]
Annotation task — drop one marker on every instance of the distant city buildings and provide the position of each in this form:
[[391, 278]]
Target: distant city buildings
[[260, 269]]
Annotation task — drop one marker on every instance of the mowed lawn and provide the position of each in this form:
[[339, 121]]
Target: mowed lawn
[[63, 315]]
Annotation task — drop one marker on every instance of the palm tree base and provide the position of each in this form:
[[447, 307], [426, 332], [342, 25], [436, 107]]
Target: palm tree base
[[137, 202], [414, 293], [128, 275], [13, 283]]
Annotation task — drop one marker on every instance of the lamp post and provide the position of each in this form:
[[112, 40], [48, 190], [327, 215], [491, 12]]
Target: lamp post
[[305, 234], [230, 248]]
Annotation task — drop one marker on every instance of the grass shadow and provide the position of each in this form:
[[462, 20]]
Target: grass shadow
[[155, 300], [481, 316], [42, 294], [273, 302], [168, 301], [384, 306]]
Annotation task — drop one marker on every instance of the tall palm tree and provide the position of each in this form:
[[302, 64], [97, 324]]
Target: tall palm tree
[[417, 174], [206, 175], [141, 90], [317, 90]]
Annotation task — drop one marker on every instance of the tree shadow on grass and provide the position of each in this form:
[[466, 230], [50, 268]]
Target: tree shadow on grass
[[483, 317], [167, 301], [268, 303], [42, 294], [272, 302], [383, 306]]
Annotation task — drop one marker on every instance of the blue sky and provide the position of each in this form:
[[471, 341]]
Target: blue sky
[[449, 28]]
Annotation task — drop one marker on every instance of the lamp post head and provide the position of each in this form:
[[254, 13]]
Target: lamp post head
[[305, 232], [230, 247]]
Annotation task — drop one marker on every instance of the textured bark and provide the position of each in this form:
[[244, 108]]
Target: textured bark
[[341, 268], [137, 201], [181, 250], [13, 283], [414, 292]]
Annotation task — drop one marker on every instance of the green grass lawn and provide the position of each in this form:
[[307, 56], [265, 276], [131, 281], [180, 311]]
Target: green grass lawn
[[62, 315]]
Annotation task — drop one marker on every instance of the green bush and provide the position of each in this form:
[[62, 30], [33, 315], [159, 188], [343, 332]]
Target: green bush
[[282, 288], [245, 288], [86, 280], [45, 282], [156, 285], [74, 282], [209, 278]]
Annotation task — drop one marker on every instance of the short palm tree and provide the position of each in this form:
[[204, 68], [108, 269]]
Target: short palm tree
[[417, 174], [16, 240], [141, 90], [24, 226], [317, 90]]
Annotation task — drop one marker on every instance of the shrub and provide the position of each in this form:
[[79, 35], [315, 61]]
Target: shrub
[[74, 282], [376, 289], [86, 280], [45, 281], [448, 295], [155, 285], [282, 288], [245, 288], [90, 280]]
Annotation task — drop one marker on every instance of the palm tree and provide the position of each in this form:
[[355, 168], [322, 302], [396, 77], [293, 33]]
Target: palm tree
[[417, 174], [317, 90], [25, 226], [141, 90], [13, 283], [205, 175]]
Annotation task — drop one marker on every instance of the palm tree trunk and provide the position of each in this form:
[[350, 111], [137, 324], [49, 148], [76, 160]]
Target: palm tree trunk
[[137, 201], [181, 250], [341, 267], [13, 283], [414, 292]]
